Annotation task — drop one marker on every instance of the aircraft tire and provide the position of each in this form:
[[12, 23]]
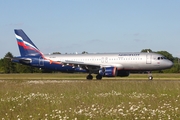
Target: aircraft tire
[[99, 77], [89, 77], [150, 77]]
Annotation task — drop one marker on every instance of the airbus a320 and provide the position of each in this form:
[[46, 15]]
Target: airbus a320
[[103, 65]]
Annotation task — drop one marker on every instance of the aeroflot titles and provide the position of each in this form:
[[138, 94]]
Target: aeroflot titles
[[128, 54]]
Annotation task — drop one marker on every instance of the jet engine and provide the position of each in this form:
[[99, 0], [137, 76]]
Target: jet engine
[[108, 71]]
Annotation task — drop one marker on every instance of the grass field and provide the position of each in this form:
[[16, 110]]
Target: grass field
[[70, 96], [82, 76]]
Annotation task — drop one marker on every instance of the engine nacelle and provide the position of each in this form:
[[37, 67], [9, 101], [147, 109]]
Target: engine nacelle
[[122, 73], [108, 71]]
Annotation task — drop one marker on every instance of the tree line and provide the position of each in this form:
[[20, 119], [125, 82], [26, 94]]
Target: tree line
[[6, 66]]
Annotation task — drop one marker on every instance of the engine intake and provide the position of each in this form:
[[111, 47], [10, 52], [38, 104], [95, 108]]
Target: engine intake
[[108, 71]]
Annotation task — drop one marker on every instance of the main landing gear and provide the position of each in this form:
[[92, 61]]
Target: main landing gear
[[90, 77], [98, 77]]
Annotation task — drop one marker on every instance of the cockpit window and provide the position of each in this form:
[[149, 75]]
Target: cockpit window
[[161, 58]]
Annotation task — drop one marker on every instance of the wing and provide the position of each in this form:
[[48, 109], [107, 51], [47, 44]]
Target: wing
[[93, 67], [86, 66]]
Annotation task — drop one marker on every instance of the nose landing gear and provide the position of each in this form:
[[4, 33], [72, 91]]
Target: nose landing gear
[[150, 77]]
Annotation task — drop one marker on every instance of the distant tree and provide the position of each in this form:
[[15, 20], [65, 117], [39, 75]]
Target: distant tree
[[20, 68], [37, 70], [8, 66], [146, 50], [56, 53], [1, 66], [8, 55], [47, 71], [175, 68], [84, 52]]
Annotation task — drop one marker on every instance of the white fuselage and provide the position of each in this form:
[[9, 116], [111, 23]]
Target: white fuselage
[[122, 61]]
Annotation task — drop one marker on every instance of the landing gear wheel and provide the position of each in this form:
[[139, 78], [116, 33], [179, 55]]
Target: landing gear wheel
[[98, 77], [150, 77], [89, 77]]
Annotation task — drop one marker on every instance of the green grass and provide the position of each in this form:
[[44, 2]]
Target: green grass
[[48, 96], [82, 76]]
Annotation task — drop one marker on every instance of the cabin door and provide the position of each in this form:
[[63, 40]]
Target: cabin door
[[148, 59], [41, 61]]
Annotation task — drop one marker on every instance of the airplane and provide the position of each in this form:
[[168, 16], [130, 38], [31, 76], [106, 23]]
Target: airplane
[[102, 64]]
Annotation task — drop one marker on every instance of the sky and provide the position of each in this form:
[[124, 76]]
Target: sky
[[94, 26]]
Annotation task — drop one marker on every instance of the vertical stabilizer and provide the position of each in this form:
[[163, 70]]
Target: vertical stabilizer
[[26, 46]]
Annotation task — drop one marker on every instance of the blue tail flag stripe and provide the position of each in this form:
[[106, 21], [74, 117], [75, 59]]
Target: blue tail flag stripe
[[26, 46]]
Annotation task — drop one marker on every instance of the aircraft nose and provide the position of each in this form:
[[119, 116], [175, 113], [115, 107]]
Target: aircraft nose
[[170, 64]]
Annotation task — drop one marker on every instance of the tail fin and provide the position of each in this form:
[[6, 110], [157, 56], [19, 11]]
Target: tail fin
[[26, 46]]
